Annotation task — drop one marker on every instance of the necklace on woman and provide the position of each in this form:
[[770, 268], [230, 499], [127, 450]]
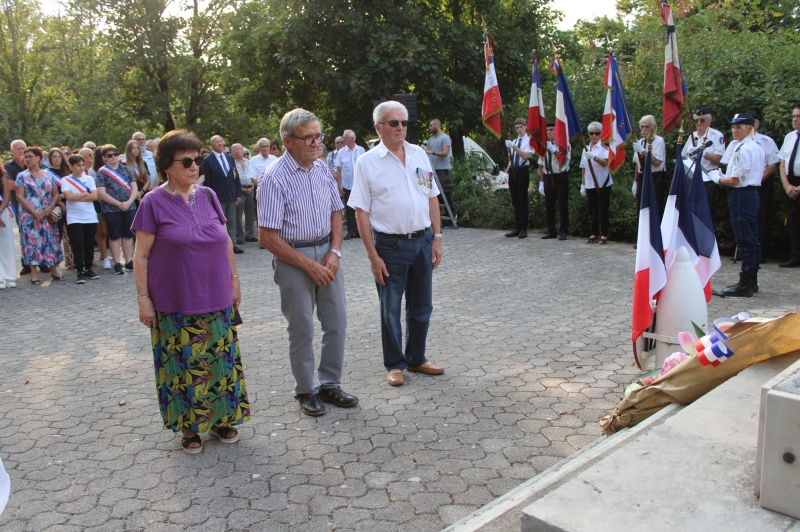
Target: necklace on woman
[[192, 193]]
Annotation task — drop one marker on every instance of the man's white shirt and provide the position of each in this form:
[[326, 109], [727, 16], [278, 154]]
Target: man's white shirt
[[258, 164], [394, 195]]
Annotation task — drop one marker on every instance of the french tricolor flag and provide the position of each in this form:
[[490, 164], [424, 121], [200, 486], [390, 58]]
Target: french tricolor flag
[[537, 125], [567, 123], [617, 124], [708, 260], [492, 105], [674, 84], [651, 275], [677, 225]]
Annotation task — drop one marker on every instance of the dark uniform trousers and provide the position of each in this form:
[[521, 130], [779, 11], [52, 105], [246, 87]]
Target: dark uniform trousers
[[518, 183], [766, 196], [660, 182], [793, 220], [556, 191]]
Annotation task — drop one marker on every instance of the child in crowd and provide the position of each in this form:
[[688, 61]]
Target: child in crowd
[[80, 191]]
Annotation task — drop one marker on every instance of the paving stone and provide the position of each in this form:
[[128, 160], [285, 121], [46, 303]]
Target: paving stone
[[531, 362]]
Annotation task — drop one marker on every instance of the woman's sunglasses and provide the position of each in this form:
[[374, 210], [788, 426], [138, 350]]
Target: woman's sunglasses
[[187, 161]]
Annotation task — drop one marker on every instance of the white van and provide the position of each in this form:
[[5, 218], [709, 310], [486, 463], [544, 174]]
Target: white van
[[485, 167]]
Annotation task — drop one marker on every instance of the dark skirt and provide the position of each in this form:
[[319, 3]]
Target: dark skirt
[[199, 375]]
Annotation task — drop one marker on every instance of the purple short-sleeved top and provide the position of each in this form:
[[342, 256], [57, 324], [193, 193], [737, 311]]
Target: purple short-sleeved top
[[188, 270]]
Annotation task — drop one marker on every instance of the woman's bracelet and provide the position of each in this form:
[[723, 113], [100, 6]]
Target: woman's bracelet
[[234, 276], [145, 295]]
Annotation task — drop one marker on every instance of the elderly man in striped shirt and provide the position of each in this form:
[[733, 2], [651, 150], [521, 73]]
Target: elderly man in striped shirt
[[300, 223]]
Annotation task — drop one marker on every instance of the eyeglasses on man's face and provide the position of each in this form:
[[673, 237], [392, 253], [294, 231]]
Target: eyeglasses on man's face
[[593, 133], [395, 123], [310, 139]]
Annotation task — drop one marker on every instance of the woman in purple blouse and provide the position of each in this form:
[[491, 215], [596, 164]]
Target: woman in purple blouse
[[188, 292]]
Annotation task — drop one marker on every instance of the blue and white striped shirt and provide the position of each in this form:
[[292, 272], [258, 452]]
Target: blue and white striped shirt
[[297, 202]]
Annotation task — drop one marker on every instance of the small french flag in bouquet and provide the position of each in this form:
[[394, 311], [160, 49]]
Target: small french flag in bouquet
[[711, 349]]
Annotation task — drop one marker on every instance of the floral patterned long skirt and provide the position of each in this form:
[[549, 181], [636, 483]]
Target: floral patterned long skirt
[[199, 375]]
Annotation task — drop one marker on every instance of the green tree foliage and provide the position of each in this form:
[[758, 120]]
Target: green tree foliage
[[335, 57]]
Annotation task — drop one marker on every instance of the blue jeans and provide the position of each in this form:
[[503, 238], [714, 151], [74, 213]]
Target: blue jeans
[[743, 205], [408, 262]]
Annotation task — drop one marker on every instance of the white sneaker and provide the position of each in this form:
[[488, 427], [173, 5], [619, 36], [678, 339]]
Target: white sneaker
[[11, 283], [106, 263], [2, 285]]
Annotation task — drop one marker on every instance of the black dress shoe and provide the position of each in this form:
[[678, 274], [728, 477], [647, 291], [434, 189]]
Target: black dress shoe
[[513, 233], [251, 239], [310, 404], [240, 241], [237, 250], [544, 232], [790, 264], [562, 236], [548, 235], [26, 270], [523, 234], [338, 397], [348, 236]]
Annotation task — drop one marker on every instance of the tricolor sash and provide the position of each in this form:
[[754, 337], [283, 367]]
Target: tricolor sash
[[77, 184], [54, 175], [116, 177], [10, 207]]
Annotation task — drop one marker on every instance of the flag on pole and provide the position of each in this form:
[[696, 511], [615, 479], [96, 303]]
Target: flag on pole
[[650, 275], [537, 124], [492, 105], [674, 85], [677, 225], [708, 260], [617, 124], [567, 123]]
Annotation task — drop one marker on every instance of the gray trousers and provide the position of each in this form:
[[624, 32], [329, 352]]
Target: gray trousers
[[229, 208], [299, 295], [247, 207]]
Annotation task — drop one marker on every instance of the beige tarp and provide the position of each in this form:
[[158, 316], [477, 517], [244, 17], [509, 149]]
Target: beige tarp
[[751, 341]]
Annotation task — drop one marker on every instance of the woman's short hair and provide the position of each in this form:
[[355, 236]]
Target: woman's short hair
[[75, 159], [597, 127], [294, 119], [36, 150], [174, 142], [84, 152], [385, 108]]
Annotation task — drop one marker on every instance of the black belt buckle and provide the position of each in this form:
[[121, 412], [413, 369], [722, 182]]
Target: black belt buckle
[[310, 243]]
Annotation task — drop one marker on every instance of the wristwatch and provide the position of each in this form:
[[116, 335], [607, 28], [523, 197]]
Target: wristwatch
[[437, 235], [336, 252]]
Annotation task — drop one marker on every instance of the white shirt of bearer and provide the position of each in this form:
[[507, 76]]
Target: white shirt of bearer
[[659, 152], [770, 149], [600, 172], [551, 159], [394, 195], [746, 163], [786, 152], [717, 148]]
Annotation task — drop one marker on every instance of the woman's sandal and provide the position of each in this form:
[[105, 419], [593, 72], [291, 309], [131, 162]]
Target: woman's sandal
[[603, 240], [224, 434], [35, 281], [591, 240], [186, 442]]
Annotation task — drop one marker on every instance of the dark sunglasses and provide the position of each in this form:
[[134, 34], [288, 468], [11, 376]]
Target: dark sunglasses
[[112, 154], [592, 133], [395, 123], [700, 120], [187, 161]]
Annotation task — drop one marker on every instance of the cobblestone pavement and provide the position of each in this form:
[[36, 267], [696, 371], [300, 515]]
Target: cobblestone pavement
[[534, 336]]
